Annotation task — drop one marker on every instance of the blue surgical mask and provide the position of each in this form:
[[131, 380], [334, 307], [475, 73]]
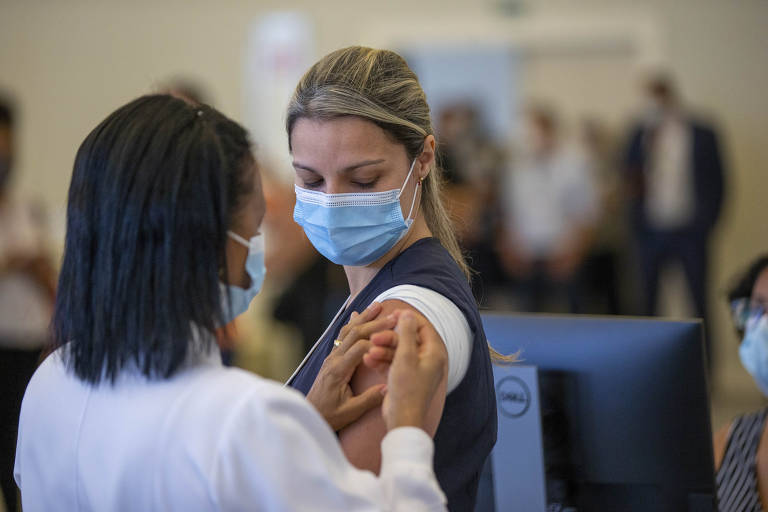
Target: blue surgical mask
[[240, 298], [753, 351], [353, 229]]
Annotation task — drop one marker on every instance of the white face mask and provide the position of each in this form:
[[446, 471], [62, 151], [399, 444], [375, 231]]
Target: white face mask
[[753, 351], [235, 299]]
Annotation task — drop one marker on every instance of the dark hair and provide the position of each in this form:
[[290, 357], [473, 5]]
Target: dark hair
[[662, 86], [544, 117], [7, 111], [745, 282], [155, 187]]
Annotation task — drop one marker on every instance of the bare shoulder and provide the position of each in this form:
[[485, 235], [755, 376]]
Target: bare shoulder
[[720, 441]]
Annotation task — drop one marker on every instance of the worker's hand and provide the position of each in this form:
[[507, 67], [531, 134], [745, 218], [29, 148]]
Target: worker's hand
[[382, 351], [331, 394], [416, 371]]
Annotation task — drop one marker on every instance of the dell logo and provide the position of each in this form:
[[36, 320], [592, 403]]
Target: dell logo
[[513, 397]]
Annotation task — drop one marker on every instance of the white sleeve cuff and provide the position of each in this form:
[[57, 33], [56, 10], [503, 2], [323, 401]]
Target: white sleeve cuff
[[410, 445], [407, 474]]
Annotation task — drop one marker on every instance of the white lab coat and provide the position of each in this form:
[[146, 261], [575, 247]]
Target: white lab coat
[[209, 438]]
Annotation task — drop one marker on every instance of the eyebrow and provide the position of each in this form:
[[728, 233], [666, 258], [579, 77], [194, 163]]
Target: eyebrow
[[350, 168]]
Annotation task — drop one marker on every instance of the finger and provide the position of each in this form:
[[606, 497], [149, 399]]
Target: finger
[[432, 351], [341, 366], [368, 314], [384, 339], [353, 321], [365, 331], [362, 403], [382, 354], [406, 330], [354, 356], [375, 364]]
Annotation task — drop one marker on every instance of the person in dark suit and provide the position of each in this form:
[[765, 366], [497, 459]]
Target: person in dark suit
[[676, 181]]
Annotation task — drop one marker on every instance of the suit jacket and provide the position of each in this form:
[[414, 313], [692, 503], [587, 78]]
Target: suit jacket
[[707, 168]]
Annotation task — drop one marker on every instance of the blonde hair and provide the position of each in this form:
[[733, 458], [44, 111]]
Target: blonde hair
[[378, 85]]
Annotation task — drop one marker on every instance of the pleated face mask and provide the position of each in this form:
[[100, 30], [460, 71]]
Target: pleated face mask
[[753, 350], [353, 229], [234, 298]]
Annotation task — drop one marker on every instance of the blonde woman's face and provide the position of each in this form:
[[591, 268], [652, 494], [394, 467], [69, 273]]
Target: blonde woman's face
[[348, 155]]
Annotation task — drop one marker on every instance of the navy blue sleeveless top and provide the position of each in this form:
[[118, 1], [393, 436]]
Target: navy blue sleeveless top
[[467, 429]]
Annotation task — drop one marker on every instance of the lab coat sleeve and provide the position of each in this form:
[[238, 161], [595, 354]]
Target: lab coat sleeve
[[277, 453]]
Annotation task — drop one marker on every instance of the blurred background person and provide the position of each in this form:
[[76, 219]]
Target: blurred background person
[[741, 456], [27, 284], [550, 204], [675, 174], [472, 164], [604, 290]]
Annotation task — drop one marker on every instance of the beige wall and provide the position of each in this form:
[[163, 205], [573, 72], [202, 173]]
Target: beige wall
[[70, 63]]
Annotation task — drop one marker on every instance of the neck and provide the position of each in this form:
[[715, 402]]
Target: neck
[[359, 277]]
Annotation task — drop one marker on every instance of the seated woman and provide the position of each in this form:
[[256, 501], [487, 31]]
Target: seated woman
[[741, 447], [368, 198], [134, 410]]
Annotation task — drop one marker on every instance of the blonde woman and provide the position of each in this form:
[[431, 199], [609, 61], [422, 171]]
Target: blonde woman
[[368, 198]]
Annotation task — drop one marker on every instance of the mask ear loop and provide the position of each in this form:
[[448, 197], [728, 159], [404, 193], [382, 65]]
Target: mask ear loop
[[255, 244], [415, 192], [237, 238], [410, 171]]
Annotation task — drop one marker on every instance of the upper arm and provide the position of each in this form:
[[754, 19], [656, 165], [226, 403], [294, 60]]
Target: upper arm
[[720, 442], [361, 441]]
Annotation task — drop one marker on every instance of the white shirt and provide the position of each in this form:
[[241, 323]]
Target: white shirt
[[670, 187], [547, 197], [448, 321], [209, 438]]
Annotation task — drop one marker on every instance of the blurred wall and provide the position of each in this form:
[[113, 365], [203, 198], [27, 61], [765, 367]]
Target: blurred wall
[[71, 63]]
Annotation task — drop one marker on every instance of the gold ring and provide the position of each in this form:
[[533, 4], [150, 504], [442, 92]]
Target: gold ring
[[336, 343]]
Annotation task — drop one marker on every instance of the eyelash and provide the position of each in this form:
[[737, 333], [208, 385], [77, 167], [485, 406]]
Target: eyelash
[[314, 184], [364, 186]]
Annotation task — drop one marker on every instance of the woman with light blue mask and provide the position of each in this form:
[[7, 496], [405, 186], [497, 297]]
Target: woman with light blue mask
[[741, 447], [134, 410], [368, 197]]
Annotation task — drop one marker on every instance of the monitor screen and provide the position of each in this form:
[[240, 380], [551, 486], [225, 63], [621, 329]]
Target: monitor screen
[[624, 409]]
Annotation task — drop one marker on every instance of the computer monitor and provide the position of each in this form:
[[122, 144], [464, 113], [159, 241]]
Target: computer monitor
[[624, 410]]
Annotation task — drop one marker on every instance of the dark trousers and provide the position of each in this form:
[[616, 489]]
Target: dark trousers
[[16, 368], [689, 249]]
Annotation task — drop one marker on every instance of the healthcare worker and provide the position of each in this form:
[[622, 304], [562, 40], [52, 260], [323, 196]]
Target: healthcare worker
[[134, 410]]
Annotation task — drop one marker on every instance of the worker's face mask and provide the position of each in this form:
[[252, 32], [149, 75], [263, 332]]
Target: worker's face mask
[[235, 299], [754, 351], [353, 229]]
